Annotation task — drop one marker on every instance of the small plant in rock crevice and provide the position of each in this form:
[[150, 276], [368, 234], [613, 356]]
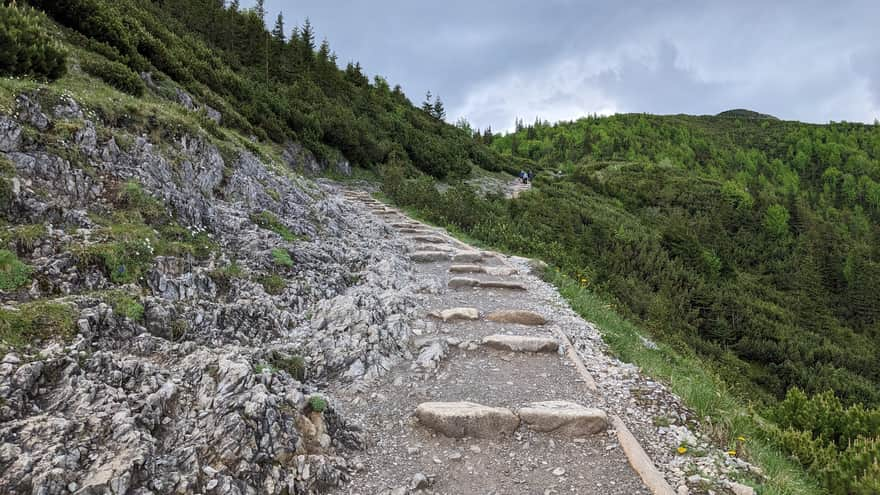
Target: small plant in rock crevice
[[316, 403], [13, 273]]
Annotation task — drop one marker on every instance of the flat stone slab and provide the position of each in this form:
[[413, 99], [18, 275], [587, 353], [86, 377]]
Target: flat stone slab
[[501, 271], [467, 257], [407, 225], [434, 247], [567, 418], [501, 284], [456, 314], [414, 230], [431, 239], [517, 316], [518, 343], [467, 419], [459, 282], [467, 269], [429, 256]]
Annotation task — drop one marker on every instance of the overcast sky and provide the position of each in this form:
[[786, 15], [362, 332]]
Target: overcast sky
[[493, 61]]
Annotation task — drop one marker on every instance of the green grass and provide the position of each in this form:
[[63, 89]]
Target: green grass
[[267, 220], [13, 273], [34, 322], [272, 284], [282, 258], [125, 304]]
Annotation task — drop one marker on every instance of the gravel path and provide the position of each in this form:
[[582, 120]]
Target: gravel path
[[449, 365]]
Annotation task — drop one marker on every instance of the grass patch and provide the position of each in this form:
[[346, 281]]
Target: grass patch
[[125, 304], [273, 284], [282, 258], [295, 366], [267, 220], [24, 237], [34, 322], [13, 273], [223, 277]]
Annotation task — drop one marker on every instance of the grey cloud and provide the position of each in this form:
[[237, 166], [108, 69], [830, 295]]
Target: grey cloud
[[492, 61]]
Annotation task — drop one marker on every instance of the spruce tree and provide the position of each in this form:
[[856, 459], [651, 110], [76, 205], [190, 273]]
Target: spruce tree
[[234, 6], [278, 31], [260, 9], [307, 35], [427, 105], [438, 110]]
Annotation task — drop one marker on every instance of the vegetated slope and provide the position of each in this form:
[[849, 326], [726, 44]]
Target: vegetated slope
[[171, 290], [743, 113], [277, 86], [752, 242]]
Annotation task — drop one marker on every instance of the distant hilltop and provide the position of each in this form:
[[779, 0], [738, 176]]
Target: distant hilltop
[[743, 113]]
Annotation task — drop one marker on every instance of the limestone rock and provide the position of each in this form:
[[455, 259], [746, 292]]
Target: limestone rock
[[467, 419], [517, 343], [429, 256], [467, 257], [467, 269], [563, 417], [459, 282], [457, 314], [516, 316]]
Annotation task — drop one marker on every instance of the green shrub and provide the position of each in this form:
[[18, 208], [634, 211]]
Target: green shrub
[[115, 74], [25, 48], [317, 404], [839, 445], [132, 196], [35, 321], [273, 284], [13, 273], [282, 257], [223, 276]]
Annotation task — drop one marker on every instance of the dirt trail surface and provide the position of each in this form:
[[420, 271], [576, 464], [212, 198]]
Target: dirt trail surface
[[557, 447]]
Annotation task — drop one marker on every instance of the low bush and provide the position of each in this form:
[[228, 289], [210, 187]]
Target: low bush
[[839, 445], [115, 74], [126, 305], [25, 48]]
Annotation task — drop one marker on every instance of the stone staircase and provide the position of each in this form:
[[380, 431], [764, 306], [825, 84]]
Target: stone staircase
[[497, 400]]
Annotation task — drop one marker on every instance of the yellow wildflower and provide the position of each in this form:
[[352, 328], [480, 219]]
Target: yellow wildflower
[[741, 439], [731, 453], [682, 450]]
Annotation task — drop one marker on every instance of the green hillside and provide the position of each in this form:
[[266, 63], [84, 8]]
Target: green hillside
[[746, 243], [753, 243]]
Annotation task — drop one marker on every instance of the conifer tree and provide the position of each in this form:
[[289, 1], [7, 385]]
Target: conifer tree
[[260, 9], [307, 35], [234, 6], [428, 105], [278, 31], [438, 110]]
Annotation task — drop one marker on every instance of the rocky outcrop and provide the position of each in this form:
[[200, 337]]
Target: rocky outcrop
[[208, 391]]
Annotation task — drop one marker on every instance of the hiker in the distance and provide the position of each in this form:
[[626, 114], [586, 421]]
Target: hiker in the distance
[[523, 177]]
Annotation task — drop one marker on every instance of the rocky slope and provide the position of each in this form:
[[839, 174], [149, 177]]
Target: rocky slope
[[211, 386]]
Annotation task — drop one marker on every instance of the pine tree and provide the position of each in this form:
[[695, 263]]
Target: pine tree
[[427, 105], [307, 35], [324, 51], [438, 111], [234, 6], [260, 9], [278, 31]]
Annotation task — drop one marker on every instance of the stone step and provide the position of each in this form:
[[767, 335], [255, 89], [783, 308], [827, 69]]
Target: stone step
[[432, 239], [429, 256], [434, 247], [567, 418], [467, 269], [467, 419], [467, 257], [521, 343], [456, 314], [404, 225], [414, 230], [517, 316], [461, 282]]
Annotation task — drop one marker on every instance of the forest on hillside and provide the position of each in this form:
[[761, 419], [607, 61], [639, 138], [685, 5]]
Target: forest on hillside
[[754, 243], [282, 85]]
